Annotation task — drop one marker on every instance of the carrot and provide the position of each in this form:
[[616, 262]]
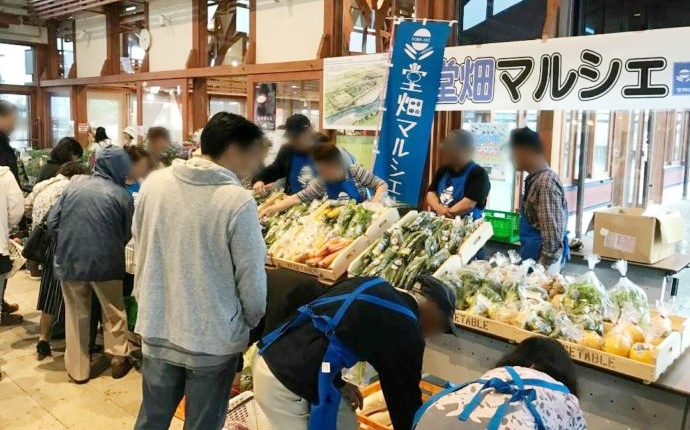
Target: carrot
[[338, 246], [314, 261], [326, 262]]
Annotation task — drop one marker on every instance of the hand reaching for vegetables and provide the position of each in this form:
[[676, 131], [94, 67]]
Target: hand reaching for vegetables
[[352, 395], [259, 188]]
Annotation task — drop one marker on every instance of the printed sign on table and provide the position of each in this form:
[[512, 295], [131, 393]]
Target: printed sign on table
[[411, 93]]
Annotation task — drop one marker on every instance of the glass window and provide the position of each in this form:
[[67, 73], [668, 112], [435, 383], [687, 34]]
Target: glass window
[[613, 16], [161, 107], [600, 160], [65, 47], [298, 97], [61, 117], [16, 64], [104, 109], [484, 21], [225, 104], [20, 137], [473, 13]]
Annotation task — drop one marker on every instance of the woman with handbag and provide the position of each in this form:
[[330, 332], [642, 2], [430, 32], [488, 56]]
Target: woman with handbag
[[11, 212], [41, 247]]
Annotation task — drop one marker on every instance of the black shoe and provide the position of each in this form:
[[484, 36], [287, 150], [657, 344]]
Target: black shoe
[[10, 319], [9, 308], [121, 367], [43, 350]]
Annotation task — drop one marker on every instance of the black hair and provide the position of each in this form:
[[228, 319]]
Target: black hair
[[7, 107], [461, 138], [72, 168], [526, 138], [136, 152], [158, 133], [545, 355], [66, 150], [100, 135], [225, 129], [326, 153], [321, 138]]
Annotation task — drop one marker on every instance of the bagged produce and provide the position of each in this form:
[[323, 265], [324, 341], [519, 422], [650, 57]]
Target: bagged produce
[[644, 352], [586, 301], [628, 299], [592, 339]]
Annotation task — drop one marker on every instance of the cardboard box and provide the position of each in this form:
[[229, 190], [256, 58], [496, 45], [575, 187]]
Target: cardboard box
[[634, 234]]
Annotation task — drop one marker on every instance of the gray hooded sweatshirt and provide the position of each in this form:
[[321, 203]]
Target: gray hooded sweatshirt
[[93, 220], [200, 277]]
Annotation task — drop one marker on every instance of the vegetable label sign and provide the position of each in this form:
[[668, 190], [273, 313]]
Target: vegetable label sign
[[635, 70]]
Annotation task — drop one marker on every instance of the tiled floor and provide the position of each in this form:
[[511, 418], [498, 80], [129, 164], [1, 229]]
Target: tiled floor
[[38, 395]]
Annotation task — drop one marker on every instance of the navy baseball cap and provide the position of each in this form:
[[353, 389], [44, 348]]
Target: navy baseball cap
[[442, 295], [296, 124]]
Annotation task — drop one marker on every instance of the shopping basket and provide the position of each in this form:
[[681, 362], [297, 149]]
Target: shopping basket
[[244, 411], [506, 225], [16, 256]]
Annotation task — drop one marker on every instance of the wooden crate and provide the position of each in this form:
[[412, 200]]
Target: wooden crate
[[338, 268], [475, 242], [667, 351], [428, 390], [682, 326]]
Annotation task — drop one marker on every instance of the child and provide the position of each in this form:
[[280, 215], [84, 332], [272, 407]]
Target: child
[[335, 180]]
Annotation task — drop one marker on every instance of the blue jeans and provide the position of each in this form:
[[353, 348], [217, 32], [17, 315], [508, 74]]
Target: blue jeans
[[207, 394]]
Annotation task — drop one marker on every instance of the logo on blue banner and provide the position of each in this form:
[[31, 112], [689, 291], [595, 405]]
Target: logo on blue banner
[[681, 79], [411, 95]]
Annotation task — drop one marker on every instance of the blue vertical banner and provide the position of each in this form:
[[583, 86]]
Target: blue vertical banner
[[411, 94]]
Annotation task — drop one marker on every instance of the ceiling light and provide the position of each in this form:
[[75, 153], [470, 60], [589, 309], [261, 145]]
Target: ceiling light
[[130, 8], [234, 63]]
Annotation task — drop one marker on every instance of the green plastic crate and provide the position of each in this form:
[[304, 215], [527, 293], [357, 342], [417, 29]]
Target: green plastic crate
[[506, 225]]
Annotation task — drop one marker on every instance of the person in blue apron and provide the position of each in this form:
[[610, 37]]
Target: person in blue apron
[[336, 181], [297, 373], [461, 186], [532, 388], [543, 209], [293, 162]]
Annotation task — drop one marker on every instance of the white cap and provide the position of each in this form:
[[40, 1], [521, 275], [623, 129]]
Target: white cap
[[131, 131]]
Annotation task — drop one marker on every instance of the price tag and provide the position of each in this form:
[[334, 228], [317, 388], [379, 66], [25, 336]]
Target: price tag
[[325, 367]]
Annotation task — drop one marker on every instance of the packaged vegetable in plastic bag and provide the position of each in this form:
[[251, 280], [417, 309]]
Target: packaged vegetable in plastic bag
[[587, 295], [660, 325], [628, 298], [564, 328]]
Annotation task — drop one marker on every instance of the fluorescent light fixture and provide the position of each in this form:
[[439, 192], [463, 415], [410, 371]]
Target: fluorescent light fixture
[[130, 8]]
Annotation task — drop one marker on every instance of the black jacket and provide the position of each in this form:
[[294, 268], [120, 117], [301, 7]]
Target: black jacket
[[391, 342], [49, 170], [8, 157], [279, 169], [93, 221]]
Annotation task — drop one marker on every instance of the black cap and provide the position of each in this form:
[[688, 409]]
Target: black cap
[[526, 138], [296, 124], [461, 138], [442, 295]]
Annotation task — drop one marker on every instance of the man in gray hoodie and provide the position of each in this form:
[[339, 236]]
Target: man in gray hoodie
[[93, 220], [200, 280]]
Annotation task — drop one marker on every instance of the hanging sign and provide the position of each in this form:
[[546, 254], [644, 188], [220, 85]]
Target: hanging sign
[[411, 94], [489, 140], [635, 70]]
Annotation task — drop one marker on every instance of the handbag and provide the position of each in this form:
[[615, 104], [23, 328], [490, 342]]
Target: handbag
[[37, 244], [16, 257]]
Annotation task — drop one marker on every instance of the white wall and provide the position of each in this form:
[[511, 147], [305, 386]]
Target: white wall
[[289, 30], [91, 44], [171, 43]]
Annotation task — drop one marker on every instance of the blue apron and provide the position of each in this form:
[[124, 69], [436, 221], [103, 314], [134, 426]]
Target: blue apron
[[344, 190], [301, 172], [323, 414], [516, 386], [451, 189], [531, 240]]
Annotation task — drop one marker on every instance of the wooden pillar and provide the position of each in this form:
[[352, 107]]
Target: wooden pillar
[[199, 55], [111, 66], [48, 54], [549, 127], [250, 55], [199, 103], [79, 114]]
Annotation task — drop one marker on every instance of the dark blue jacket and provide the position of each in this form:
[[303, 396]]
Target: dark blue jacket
[[93, 222]]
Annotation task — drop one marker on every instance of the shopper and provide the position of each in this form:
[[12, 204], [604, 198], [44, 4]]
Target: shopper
[[93, 220], [293, 162], [67, 149], [101, 140], [533, 387], [8, 122], [129, 136], [50, 301], [297, 377], [335, 181], [200, 278], [159, 142], [543, 209], [11, 212], [461, 186], [141, 166]]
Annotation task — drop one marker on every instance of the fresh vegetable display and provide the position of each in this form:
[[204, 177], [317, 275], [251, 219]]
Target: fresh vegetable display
[[278, 224], [417, 247], [578, 310], [317, 241]]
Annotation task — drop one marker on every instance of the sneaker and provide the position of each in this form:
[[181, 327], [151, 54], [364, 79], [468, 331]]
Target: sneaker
[[10, 319], [43, 350], [121, 367], [9, 308]]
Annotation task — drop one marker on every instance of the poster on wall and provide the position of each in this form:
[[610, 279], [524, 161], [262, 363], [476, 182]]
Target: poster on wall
[[265, 105], [402, 146], [621, 71], [352, 91], [489, 138]]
